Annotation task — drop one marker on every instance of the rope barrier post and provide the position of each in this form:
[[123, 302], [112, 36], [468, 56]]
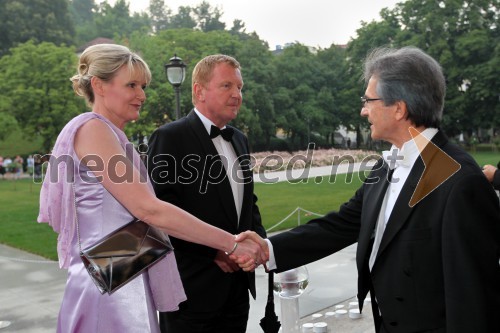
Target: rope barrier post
[[298, 215], [290, 215]]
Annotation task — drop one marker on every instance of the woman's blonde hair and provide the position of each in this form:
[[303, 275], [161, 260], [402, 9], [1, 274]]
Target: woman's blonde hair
[[103, 61]]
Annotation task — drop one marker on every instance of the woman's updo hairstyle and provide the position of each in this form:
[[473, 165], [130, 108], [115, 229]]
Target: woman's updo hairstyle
[[103, 61]]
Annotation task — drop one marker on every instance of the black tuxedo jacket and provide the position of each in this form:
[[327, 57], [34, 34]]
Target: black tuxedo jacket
[[186, 170], [437, 267]]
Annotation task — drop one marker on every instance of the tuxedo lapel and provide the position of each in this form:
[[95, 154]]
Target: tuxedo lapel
[[402, 208], [373, 196], [213, 165], [201, 134], [372, 201], [237, 144]]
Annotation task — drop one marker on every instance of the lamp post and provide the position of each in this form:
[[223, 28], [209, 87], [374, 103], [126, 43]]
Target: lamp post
[[176, 73]]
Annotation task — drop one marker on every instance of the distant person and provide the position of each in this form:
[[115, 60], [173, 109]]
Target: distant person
[[38, 166], [30, 165], [112, 79], [493, 175], [426, 220], [2, 168], [18, 166], [7, 164]]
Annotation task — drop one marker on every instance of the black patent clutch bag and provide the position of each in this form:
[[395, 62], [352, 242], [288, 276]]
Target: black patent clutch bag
[[123, 254]]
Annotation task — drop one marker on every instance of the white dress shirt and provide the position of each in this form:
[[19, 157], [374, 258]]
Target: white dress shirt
[[409, 152], [230, 162]]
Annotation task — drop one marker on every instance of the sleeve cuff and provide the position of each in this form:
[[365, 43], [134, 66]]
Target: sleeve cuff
[[271, 264]]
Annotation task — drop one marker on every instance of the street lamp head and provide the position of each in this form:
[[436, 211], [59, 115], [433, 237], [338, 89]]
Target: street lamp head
[[176, 71]]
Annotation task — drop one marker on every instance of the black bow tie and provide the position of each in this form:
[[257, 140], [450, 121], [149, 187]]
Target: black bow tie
[[226, 133]]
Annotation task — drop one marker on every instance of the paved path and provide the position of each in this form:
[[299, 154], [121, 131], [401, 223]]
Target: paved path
[[31, 288], [295, 174]]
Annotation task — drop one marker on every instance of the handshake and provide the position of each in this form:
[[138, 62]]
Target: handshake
[[249, 252]]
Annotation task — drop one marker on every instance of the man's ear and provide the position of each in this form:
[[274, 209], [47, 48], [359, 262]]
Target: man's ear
[[199, 92], [97, 86], [401, 111]]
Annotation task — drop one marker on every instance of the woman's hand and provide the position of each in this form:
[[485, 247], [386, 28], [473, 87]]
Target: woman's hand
[[257, 253]]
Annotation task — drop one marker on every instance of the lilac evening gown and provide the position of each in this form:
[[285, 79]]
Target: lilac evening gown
[[132, 308]]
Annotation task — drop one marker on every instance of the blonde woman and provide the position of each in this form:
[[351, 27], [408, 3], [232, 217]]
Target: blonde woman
[[95, 178]]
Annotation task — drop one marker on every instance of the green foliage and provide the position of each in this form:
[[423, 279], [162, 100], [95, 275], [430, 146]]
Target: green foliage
[[106, 21], [463, 36], [183, 19], [208, 18], [111, 21], [301, 101], [35, 88], [21, 143], [159, 15], [41, 20], [82, 11], [8, 125], [304, 93]]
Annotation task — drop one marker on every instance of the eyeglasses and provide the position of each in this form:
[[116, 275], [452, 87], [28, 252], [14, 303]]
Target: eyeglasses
[[365, 100]]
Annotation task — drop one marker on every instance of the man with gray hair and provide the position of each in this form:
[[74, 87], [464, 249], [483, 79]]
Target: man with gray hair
[[426, 220]]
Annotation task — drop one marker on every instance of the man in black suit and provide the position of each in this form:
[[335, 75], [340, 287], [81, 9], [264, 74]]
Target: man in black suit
[[427, 222], [208, 175]]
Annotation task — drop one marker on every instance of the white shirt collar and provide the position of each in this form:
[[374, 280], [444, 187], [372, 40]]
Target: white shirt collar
[[206, 122], [408, 154]]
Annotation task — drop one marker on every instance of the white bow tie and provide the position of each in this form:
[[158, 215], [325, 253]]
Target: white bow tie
[[395, 158]]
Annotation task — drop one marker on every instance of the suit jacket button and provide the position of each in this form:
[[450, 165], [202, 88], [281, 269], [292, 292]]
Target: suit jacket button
[[393, 323], [407, 272], [400, 299]]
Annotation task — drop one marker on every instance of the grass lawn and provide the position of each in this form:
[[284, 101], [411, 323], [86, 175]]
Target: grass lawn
[[19, 202], [486, 157], [19, 206], [277, 201]]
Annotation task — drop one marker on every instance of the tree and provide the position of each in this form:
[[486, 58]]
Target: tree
[[191, 46], [41, 20], [340, 96], [256, 117], [159, 15], [8, 124], [35, 89], [82, 11], [238, 27], [208, 18], [300, 81], [112, 21], [183, 19], [463, 36]]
